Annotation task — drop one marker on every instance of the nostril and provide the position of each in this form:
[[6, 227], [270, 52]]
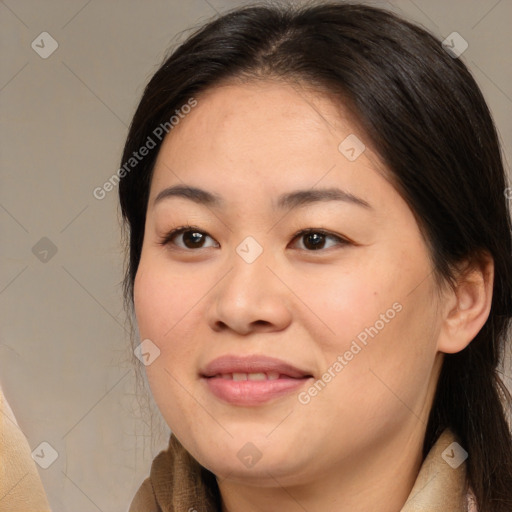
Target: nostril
[[220, 326], [261, 322]]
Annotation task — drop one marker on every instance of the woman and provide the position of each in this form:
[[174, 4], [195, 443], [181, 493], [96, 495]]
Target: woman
[[320, 268]]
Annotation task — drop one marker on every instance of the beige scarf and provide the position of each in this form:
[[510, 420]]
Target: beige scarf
[[178, 483]]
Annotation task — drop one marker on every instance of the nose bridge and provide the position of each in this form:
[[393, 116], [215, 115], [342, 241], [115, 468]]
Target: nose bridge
[[250, 294], [250, 277]]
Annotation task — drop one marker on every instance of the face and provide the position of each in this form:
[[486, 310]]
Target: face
[[325, 297]]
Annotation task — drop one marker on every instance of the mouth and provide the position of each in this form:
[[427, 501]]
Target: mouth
[[253, 380], [256, 376]]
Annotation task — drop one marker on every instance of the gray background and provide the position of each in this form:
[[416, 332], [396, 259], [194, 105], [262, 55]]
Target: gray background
[[65, 361]]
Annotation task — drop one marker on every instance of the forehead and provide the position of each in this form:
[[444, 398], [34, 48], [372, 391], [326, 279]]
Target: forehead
[[265, 130], [288, 100], [257, 146]]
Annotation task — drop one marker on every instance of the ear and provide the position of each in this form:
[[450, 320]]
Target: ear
[[466, 308]]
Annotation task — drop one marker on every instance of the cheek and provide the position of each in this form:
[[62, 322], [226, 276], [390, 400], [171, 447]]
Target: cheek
[[160, 310], [348, 300], [382, 322], [162, 300], [381, 383]]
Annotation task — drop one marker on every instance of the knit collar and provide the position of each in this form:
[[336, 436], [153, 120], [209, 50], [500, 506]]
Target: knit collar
[[178, 483]]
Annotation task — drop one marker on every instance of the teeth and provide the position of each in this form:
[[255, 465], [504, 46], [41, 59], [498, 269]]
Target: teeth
[[250, 376], [256, 376]]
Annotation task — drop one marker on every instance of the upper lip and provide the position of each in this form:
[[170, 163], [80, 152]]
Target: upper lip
[[252, 364]]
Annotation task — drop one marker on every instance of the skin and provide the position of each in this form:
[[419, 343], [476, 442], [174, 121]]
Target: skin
[[357, 444]]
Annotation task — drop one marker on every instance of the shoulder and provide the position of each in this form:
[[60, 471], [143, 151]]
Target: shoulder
[[144, 500], [20, 485], [441, 484]]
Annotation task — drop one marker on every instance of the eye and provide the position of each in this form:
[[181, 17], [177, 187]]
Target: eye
[[315, 239], [193, 238]]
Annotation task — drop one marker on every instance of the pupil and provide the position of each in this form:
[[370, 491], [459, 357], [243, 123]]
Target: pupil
[[315, 236], [192, 236]]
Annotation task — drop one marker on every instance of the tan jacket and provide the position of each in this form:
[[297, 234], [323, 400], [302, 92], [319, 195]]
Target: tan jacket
[[178, 483], [21, 489]]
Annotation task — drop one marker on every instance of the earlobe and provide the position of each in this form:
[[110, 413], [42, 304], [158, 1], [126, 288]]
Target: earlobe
[[467, 307]]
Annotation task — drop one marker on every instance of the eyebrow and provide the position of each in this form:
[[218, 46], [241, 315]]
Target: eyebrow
[[290, 200]]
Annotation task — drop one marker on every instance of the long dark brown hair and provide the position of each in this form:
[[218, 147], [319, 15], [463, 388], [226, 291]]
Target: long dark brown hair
[[427, 119]]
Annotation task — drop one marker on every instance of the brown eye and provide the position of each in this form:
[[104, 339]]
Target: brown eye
[[192, 238], [314, 240]]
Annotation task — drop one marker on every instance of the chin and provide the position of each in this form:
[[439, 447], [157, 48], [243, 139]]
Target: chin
[[258, 462]]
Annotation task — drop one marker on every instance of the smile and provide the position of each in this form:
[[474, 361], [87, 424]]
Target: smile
[[249, 376], [242, 389]]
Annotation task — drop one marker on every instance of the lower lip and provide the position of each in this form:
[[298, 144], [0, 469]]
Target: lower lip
[[252, 392]]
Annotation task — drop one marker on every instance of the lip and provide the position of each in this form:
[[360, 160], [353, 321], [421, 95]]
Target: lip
[[252, 392]]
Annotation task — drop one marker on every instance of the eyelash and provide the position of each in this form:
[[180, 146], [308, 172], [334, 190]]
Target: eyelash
[[167, 238]]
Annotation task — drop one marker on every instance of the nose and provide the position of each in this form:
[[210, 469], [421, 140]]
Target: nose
[[250, 298]]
